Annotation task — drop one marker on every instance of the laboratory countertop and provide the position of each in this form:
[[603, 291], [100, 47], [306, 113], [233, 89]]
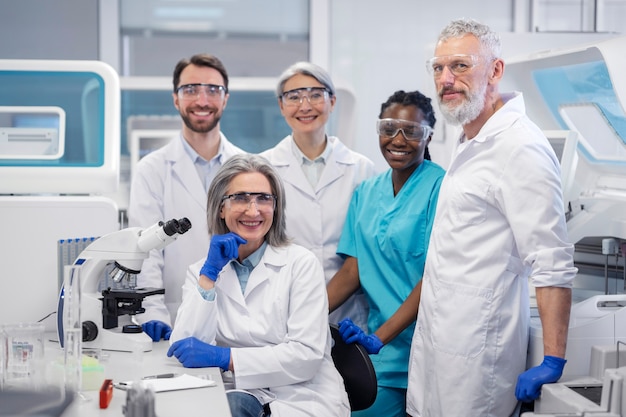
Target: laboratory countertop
[[129, 366]]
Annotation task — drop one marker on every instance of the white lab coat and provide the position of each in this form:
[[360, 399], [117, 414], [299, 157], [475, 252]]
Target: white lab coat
[[499, 221], [167, 186], [315, 216], [277, 330]]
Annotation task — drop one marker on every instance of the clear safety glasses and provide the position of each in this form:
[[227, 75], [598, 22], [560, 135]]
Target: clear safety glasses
[[193, 91], [411, 130], [315, 95], [241, 202], [458, 64]]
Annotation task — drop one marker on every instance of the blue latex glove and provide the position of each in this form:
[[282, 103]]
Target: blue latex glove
[[194, 353], [157, 330], [351, 333], [529, 383], [222, 249]]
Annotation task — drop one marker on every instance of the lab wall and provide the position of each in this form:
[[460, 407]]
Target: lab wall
[[49, 29]]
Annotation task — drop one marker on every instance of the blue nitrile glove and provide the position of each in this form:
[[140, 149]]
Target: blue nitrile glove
[[529, 383], [157, 330], [351, 333], [222, 249], [194, 353]]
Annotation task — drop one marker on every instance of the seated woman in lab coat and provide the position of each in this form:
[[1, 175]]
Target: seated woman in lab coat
[[257, 305]]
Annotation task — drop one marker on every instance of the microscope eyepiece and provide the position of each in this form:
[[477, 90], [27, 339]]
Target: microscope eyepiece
[[161, 234], [171, 227], [183, 225], [174, 226]]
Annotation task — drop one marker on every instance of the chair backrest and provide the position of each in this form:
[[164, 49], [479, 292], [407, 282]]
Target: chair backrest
[[355, 366]]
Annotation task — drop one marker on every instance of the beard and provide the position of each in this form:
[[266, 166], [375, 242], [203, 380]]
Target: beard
[[468, 110], [201, 127]]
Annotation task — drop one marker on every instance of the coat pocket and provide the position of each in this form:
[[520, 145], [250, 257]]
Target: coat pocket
[[469, 201], [461, 319]]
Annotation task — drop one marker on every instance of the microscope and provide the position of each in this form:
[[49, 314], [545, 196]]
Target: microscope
[[109, 298]]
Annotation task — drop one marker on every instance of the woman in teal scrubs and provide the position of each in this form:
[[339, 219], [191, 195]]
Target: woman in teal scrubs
[[384, 241]]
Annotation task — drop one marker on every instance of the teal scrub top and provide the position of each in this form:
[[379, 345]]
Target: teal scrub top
[[389, 238]]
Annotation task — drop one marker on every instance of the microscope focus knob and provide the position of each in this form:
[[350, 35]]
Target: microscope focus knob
[[90, 331]]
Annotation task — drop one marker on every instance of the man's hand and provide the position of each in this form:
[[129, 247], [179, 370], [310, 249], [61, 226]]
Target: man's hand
[[529, 383]]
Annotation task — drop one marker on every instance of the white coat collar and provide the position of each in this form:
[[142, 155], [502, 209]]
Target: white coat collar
[[183, 167], [502, 119], [274, 258], [283, 158], [512, 110], [184, 170]]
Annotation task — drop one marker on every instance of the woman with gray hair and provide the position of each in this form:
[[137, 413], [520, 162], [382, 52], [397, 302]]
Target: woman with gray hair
[[319, 173], [257, 305]]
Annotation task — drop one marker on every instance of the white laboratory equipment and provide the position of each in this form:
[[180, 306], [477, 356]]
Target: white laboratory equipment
[[602, 393], [107, 309], [32, 132], [582, 89], [77, 100], [598, 320], [59, 152]]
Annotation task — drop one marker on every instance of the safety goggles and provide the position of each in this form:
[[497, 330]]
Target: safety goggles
[[411, 130], [315, 95], [193, 91], [458, 64], [240, 202]]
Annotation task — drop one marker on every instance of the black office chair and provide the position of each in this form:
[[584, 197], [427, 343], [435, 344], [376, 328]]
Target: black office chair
[[355, 366]]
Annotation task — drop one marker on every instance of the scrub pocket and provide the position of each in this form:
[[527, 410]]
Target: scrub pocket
[[407, 235], [461, 318]]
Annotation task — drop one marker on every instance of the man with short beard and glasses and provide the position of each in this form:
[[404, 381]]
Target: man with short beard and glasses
[[499, 225], [172, 182]]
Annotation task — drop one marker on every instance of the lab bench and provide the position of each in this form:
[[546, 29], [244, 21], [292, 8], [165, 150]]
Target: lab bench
[[129, 366]]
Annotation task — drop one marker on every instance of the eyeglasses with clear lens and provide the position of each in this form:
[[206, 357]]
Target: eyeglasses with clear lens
[[241, 202], [193, 91], [411, 130], [458, 64], [315, 95]]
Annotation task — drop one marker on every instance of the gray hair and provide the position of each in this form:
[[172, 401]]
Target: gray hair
[[239, 164], [305, 68], [489, 40]]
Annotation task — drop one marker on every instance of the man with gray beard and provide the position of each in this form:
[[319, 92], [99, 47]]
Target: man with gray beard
[[500, 225], [172, 182]]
